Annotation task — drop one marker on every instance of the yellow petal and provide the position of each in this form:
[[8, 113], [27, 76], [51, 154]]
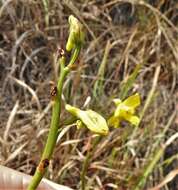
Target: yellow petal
[[132, 101], [79, 124], [114, 121], [91, 119], [134, 120], [73, 110], [96, 122], [117, 101], [121, 110]]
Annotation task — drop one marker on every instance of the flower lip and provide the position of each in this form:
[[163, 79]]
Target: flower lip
[[125, 110]]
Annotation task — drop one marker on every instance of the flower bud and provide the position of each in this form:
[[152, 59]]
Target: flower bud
[[91, 119], [76, 34]]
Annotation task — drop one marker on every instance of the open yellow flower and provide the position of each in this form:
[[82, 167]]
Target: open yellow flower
[[125, 110], [76, 34], [91, 119]]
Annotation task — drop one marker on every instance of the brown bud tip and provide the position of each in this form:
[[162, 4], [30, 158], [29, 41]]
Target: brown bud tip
[[53, 91], [60, 52]]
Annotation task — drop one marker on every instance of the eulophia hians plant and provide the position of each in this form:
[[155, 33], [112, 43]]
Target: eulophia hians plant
[[90, 119]]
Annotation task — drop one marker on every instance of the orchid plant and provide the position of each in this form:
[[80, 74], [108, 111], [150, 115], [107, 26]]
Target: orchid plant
[[74, 44], [125, 110]]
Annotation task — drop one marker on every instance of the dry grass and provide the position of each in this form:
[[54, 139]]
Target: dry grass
[[137, 33]]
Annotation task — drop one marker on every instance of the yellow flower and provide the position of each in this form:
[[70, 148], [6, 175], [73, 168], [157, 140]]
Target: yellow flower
[[91, 119], [76, 34], [125, 110]]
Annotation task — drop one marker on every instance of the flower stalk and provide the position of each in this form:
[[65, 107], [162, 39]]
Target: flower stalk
[[56, 97], [53, 133]]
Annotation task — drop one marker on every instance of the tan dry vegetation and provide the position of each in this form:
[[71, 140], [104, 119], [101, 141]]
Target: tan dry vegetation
[[128, 33]]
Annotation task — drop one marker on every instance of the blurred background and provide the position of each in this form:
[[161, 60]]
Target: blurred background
[[130, 46]]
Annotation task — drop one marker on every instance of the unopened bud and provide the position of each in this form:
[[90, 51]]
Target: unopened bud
[[76, 34], [91, 119]]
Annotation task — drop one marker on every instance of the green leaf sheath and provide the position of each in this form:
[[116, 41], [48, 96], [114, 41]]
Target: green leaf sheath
[[53, 133]]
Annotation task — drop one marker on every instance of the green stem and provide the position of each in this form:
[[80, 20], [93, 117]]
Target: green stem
[[53, 133], [87, 161]]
